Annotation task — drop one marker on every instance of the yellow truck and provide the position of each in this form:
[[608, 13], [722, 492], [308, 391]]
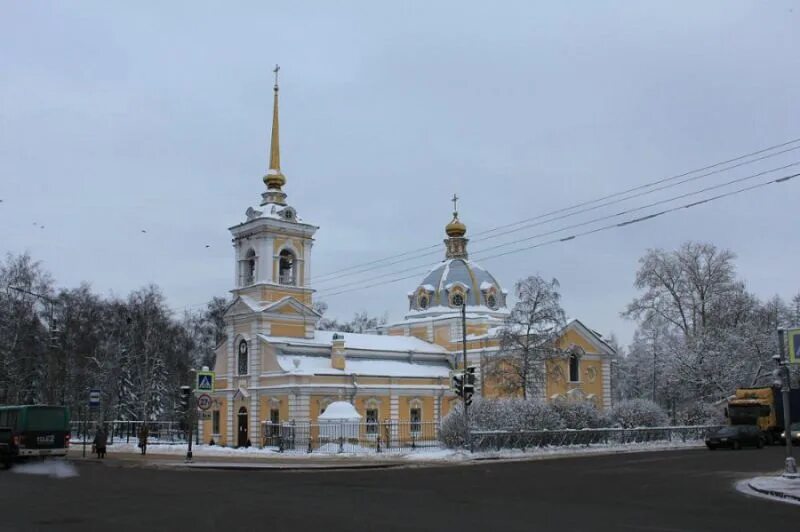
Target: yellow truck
[[762, 407]]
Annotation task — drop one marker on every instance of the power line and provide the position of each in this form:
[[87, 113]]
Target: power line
[[596, 230], [478, 253], [556, 218], [585, 203]]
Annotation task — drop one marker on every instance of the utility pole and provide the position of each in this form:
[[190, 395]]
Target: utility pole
[[464, 352], [782, 372]]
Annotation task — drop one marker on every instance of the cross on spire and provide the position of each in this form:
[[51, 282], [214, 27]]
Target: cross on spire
[[455, 205], [276, 70]]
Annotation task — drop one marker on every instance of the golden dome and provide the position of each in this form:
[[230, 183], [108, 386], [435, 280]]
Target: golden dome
[[455, 228]]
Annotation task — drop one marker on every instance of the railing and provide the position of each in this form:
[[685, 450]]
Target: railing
[[159, 432], [520, 439], [333, 438]]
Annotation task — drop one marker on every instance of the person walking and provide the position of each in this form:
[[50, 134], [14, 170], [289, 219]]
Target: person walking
[[143, 433], [99, 443]]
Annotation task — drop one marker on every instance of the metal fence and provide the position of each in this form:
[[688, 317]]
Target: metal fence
[[159, 432], [482, 440], [332, 438]]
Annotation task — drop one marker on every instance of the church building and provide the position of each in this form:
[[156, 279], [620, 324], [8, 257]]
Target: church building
[[275, 366]]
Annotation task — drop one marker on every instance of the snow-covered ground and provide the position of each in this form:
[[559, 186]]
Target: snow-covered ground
[[419, 454], [774, 488], [55, 468]]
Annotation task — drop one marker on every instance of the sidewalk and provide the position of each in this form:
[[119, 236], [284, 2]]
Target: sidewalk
[[243, 461], [215, 457], [778, 487]]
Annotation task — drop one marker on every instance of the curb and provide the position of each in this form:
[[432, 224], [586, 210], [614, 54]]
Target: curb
[[276, 467], [773, 493]]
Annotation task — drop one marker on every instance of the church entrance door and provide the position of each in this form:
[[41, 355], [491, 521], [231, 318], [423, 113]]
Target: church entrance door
[[241, 441]]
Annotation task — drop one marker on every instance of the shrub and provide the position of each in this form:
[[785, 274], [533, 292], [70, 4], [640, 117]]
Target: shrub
[[499, 414], [632, 413], [583, 415]]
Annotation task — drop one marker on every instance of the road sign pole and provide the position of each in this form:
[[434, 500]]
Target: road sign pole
[[191, 421], [790, 466], [467, 438], [85, 414]]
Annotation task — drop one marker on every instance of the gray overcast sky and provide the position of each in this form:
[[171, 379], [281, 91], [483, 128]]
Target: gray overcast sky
[[155, 115]]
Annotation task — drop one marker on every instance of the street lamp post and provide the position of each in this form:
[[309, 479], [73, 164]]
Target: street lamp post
[[783, 374], [464, 352]]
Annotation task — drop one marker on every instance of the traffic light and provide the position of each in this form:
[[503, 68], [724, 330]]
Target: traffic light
[[186, 393], [469, 381], [457, 384]]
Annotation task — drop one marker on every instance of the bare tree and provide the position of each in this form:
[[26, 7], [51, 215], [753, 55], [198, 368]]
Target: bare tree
[[528, 337]]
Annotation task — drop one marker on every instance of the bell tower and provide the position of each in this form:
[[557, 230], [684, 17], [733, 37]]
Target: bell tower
[[272, 247]]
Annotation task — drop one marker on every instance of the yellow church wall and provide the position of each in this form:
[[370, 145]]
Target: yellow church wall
[[448, 403], [441, 336], [268, 402], [293, 330], [558, 383], [382, 403], [573, 338], [426, 403], [272, 293], [222, 437], [419, 332]]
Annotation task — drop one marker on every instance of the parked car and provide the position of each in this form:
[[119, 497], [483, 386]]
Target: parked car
[[794, 428], [736, 437]]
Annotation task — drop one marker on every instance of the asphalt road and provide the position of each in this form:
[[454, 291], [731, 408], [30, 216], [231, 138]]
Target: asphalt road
[[678, 490]]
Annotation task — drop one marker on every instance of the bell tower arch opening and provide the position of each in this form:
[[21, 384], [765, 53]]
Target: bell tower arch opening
[[287, 268]]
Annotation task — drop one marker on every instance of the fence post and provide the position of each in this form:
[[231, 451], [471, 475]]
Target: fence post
[[378, 442]]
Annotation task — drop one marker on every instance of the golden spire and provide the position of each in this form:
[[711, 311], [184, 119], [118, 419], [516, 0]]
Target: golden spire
[[274, 178]]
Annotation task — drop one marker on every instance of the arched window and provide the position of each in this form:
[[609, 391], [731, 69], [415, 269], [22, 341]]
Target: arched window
[[242, 357], [574, 368], [249, 268], [286, 268]]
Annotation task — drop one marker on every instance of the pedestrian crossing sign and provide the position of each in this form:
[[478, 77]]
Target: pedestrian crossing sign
[[794, 346], [205, 381]]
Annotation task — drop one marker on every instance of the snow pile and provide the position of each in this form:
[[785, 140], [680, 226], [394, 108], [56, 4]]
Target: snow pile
[[340, 411], [50, 468]]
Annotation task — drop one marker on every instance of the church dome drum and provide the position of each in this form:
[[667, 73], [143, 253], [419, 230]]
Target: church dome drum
[[457, 281]]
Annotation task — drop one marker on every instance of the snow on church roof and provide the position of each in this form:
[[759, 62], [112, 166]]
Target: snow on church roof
[[321, 365], [369, 342]]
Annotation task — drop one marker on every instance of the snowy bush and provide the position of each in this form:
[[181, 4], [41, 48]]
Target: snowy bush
[[632, 413], [583, 415], [701, 414], [536, 415], [451, 433], [499, 414]]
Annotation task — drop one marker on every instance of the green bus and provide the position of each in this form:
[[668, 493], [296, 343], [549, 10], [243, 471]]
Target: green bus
[[36, 430]]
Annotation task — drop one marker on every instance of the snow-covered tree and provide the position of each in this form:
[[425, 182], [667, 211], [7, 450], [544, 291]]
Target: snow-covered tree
[[701, 334], [528, 337]]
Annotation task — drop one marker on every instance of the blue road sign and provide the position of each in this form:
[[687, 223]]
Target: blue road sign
[[205, 381], [794, 346]]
